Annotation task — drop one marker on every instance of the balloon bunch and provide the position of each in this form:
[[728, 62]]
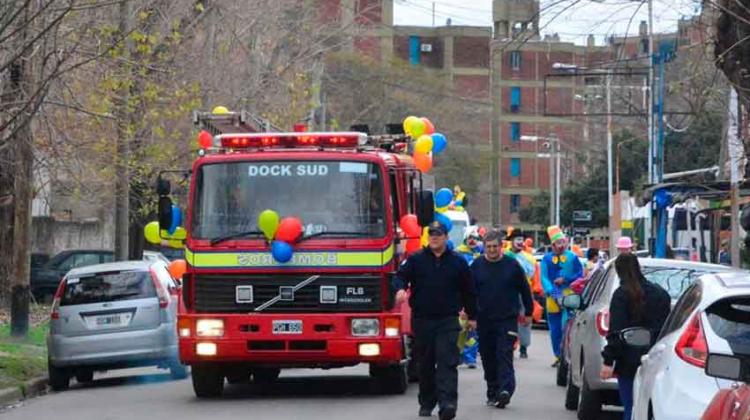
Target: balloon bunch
[[428, 142], [416, 235], [164, 237], [280, 233]]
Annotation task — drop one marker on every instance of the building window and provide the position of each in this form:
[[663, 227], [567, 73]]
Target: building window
[[515, 60], [515, 99], [515, 203], [515, 167], [515, 132]]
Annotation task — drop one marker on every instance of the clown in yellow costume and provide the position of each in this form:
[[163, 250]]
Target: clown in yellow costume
[[559, 268]]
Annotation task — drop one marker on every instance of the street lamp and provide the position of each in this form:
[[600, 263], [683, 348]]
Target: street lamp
[[553, 143]]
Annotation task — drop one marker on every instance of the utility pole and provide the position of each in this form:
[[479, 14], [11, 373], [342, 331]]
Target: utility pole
[[610, 196], [649, 229], [552, 195], [122, 157], [734, 150], [496, 133], [557, 180], [433, 14]]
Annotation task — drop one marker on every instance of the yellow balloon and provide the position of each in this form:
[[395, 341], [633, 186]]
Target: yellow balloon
[[408, 121], [268, 223], [425, 237], [151, 232], [424, 144], [441, 209], [179, 234], [418, 128], [220, 110]]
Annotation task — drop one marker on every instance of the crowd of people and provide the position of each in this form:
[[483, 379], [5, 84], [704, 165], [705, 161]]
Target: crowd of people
[[480, 296]]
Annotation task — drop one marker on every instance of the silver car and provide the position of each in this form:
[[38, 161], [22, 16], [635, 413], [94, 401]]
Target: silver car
[[112, 316], [586, 332]]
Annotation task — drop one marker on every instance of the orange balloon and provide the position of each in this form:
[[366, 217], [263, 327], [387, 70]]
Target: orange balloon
[[205, 139], [177, 268], [429, 127], [423, 162], [413, 245]]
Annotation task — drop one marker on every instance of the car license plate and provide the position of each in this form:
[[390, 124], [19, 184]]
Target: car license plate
[[287, 327], [100, 322]]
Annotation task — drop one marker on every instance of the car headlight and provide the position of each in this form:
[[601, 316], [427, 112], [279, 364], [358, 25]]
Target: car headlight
[[209, 328], [365, 327]]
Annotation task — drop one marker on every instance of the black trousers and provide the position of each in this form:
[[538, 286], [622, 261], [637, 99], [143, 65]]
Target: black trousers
[[437, 357], [496, 340]]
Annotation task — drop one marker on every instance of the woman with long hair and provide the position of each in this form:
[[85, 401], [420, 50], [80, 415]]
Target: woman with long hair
[[636, 303]]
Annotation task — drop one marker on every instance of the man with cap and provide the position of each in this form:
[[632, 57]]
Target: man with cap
[[502, 288], [560, 268], [441, 286], [528, 263]]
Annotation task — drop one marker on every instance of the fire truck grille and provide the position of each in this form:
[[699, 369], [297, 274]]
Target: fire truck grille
[[227, 293]]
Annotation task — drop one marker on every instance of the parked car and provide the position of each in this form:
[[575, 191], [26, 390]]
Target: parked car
[[587, 331], [713, 315], [45, 279], [38, 259], [731, 403], [112, 316], [154, 256]]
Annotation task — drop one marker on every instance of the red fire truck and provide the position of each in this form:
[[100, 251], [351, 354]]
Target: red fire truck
[[245, 315]]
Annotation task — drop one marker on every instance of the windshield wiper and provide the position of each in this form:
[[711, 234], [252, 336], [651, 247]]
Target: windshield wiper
[[316, 234], [219, 239]]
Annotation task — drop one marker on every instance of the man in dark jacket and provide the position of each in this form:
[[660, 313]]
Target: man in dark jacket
[[501, 286], [441, 287]]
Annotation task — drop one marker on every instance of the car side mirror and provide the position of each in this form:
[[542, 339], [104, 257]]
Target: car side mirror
[[426, 208], [572, 302], [636, 336], [726, 367]]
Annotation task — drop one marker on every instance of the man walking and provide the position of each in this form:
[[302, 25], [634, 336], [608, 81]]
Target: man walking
[[528, 263], [441, 286], [501, 286]]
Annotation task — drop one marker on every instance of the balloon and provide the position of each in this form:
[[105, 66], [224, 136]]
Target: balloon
[[176, 220], [177, 268], [425, 236], [220, 110], [439, 143], [151, 232], [268, 223], [281, 251], [429, 127], [442, 209], [205, 139], [410, 225], [290, 229], [423, 144], [417, 128], [423, 162], [179, 234], [408, 121], [443, 197], [445, 221], [413, 245]]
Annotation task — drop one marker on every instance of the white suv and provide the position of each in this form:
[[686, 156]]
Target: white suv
[[713, 315]]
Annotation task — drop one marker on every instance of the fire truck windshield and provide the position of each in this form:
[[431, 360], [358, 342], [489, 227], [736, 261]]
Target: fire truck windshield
[[340, 197]]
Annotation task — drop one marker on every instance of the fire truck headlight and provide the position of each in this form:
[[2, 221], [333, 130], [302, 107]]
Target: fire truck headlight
[[209, 328], [365, 327], [205, 349]]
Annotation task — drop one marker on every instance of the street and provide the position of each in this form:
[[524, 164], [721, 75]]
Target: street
[[300, 394]]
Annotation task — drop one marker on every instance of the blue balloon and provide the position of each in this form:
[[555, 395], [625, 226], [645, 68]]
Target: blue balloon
[[176, 220], [281, 251], [444, 220], [439, 143], [443, 197]]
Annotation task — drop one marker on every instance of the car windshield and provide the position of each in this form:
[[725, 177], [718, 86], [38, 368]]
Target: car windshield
[[108, 287], [328, 196], [673, 280]]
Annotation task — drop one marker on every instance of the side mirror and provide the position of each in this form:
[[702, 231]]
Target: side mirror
[[572, 302], [726, 367], [636, 337], [426, 208], [165, 212]]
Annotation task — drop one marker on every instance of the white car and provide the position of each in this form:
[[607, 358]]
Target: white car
[[712, 315]]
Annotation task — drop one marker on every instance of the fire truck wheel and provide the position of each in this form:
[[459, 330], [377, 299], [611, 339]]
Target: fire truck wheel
[[390, 379], [208, 381], [266, 375]]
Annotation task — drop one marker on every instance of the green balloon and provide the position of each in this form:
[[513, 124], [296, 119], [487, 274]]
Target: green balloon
[[268, 223], [151, 232]]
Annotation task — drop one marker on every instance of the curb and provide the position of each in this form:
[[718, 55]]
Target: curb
[[29, 389]]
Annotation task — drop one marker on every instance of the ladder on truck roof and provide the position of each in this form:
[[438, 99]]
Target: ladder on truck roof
[[233, 122]]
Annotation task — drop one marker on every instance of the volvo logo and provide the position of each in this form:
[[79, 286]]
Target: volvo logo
[[286, 293]]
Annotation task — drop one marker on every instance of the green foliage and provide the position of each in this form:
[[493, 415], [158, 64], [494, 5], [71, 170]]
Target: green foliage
[[696, 148], [537, 212], [22, 360]]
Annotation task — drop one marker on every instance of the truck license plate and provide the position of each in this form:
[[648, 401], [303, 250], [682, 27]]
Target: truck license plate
[[287, 327]]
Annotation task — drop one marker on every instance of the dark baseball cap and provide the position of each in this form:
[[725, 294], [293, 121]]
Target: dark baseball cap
[[436, 228]]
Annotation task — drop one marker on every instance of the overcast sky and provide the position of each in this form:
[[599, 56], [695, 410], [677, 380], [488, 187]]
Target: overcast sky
[[573, 20]]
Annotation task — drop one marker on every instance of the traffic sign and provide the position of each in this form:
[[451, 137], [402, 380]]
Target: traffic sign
[[582, 216]]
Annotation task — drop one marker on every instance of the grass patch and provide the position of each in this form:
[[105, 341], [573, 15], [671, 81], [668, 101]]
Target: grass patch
[[21, 360]]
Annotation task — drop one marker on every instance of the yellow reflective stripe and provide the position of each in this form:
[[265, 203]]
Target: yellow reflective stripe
[[299, 259]]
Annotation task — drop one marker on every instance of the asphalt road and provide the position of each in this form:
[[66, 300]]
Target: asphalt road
[[299, 394]]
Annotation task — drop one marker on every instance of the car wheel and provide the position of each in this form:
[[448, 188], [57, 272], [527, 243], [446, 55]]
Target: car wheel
[[208, 381], [178, 371], [571, 393], [239, 377], [266, 376], [390, 379], [59, 378], [589, 401], [84, 376], [562, 372]]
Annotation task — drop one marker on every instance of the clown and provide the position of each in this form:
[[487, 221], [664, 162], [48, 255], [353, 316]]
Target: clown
[[559, 268], [459, 201], [472, 247]]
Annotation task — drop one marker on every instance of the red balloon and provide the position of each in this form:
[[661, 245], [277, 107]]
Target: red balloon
[[410, 225], [205, 139], [412, 246], [290, 229], [423, 162], [429, 127]]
